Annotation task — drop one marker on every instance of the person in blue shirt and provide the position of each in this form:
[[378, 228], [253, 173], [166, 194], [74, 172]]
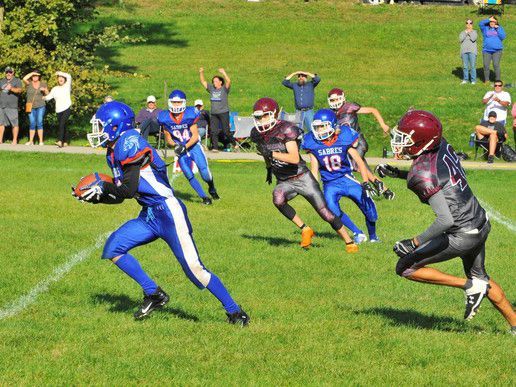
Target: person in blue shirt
[[492, 45], [330, 147], [303, 95], [180, 124], [139, 173]]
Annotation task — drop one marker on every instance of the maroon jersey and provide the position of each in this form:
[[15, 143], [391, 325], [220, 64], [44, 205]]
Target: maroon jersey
[[347, 115], [275, 140], [440, 170]]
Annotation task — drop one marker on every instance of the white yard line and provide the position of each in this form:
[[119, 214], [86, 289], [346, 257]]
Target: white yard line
[[59, 272], [502, 219]]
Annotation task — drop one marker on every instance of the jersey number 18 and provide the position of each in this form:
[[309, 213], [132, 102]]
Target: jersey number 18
[[333, 162]]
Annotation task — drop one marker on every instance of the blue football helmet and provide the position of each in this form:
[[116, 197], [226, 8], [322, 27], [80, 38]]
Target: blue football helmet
[[324, 124], [177, 96], [110, 120]]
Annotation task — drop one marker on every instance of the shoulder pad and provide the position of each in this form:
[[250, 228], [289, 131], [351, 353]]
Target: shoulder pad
[[191, 113], [347, 136], [131, 148], [308, 141], [422, 178]]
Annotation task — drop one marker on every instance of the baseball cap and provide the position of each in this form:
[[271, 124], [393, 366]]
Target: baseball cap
[[198, 102], [9, 69], [492, 113], [151, 98]]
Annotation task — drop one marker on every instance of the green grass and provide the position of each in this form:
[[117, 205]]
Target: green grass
[[318, 317], [390, 57]]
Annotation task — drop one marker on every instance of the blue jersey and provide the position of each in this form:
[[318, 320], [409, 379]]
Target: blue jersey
[[332, 154], [153, 187], [179, 128]]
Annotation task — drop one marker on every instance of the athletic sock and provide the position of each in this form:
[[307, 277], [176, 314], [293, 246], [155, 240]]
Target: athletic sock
[[197, 187], [346, 221], [211, 185], [130, 266], [371, 229], [302, 226], [217, 288]]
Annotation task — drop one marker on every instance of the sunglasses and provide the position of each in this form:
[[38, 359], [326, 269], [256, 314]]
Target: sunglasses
[[498, 85], [469, 22]]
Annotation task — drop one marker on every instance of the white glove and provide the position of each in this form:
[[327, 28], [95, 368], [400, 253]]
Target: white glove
[[92, 194]]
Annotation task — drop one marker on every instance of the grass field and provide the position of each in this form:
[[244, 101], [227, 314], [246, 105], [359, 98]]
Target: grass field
[[318, 316], [391, 57]]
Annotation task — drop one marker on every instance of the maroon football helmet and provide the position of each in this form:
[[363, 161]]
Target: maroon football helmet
[[265, 114], [336, 98], [417, 131]]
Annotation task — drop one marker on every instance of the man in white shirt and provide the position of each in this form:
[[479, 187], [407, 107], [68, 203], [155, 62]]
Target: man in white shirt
[[498, 101]]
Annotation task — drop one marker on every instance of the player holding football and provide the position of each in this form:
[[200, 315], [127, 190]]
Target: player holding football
[[140, 173], [461, 226], [347, 114], [329, 147], [278, 143], [180, 123]]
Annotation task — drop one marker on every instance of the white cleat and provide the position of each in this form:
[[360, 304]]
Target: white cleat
[[474, 296]]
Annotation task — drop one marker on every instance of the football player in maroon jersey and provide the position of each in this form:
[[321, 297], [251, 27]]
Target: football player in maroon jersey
[[347, 114], [461, 226], [278, 142]]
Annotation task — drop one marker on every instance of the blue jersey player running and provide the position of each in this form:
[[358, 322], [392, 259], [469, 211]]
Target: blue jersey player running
[[330, 147], [139, 173], [180, 124]]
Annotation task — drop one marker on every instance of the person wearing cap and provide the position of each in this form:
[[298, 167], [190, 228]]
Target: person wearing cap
[[492, 129], [10, 88], [204, 118], [303, 95], [497, 100], [36, 90], [147, 118], [61, 94]]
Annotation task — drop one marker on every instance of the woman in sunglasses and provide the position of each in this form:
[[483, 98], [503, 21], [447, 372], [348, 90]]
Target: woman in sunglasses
[[492, 47], [468, 53]]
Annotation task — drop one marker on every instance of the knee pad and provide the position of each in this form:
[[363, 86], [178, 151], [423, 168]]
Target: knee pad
[[330, 217], [278, 198], [112, 248]]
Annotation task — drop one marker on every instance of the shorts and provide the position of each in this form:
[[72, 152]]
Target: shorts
[[8, 117], [304, 185]]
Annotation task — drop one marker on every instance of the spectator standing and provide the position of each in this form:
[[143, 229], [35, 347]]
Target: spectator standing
[[10, 87], [494, 131], [219, 112], [492, 46], [35, 97], [497, 100], [62, 96], [468, 53], [204, 118], [514, 122], [147, 118], [303, 95]]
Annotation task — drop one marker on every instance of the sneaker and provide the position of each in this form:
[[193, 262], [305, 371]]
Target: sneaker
[[65, 144], [351, 248], [59, 144], [214, 195], [388, 194], [238, 318], [206, 201], [473, 83], [463, 82], [490, 159], [29, 143], [474, 296], [306, 237], [41, 143], [374, 239], [359, 237], [227, 149], [215, 150], [151, 302]]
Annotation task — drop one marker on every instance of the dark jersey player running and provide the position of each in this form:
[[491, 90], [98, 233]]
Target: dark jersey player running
[[461, 226], [347, 114], [278, 143]]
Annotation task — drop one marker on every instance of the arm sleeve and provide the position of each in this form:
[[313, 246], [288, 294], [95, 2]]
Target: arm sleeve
[[50, 95], [473, 36], [114, 194], [462, 36], [443, 220], [316, 80], [287, 83], [403, 175], [501, 33]]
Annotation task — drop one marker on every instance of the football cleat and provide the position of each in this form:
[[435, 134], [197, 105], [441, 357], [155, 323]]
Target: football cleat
[[374, 240], [359, 238], [238, 318], [151, 302], [474, 296], [351, 247], [214, 194], [388, 194], [206, 201], [306, 237]]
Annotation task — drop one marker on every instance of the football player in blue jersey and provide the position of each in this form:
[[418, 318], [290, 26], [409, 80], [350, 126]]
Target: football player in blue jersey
[[180, 124], [141, 174], [330, 147]]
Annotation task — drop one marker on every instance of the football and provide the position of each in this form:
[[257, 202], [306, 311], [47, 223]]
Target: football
[[86, 182]]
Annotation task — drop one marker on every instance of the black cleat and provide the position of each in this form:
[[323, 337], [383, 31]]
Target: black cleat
[[238, 318], [151, 302], [206, 201], [388, 194], [214, 194], [474, 296]]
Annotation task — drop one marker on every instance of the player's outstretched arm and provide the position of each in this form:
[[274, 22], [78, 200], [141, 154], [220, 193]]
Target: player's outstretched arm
[[292, 155], [360, 163], [388, 170], [377, 115], [314, 166]]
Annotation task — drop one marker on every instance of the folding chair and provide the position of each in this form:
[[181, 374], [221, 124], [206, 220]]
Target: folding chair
[[489, 5], [483, 145], [243, 127]]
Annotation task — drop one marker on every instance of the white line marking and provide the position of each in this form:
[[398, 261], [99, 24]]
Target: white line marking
[[493, 214], [59, 272]]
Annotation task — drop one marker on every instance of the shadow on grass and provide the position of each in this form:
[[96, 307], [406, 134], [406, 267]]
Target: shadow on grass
[[120, 303], [273, 241], [412, 319], [458, 72], [186, 196]]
